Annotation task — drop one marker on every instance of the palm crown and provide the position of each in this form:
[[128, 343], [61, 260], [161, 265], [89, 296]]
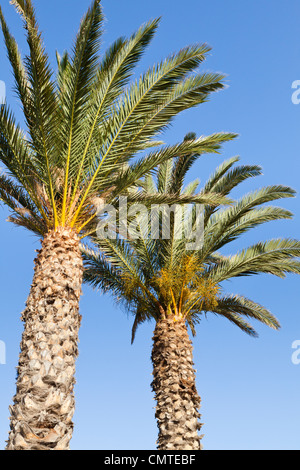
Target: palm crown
[[155, 277], [85, 124]]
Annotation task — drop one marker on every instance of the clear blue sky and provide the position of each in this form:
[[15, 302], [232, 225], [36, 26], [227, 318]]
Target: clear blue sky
[[249, 387]]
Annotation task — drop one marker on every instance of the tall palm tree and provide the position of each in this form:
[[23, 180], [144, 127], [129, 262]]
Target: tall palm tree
[[84, 125], [166, 280]]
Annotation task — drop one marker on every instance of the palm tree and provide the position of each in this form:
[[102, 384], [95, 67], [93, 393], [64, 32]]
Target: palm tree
[[174, 284], [83, 127]]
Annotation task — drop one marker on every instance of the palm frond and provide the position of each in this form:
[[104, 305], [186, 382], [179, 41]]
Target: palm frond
[[233, 307], [276, 256], [22, 85], [133, 173], [16, 155], [227, 221], [111, 78], [82, 72], [42, 124]]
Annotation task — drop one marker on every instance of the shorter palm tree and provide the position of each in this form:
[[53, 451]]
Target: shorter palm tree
[[166, 280]]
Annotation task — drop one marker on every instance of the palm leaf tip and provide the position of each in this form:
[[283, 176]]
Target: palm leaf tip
[[234, 307], [190, 136]]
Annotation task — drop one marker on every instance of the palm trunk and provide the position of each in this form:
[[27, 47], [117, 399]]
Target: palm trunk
[[174, 386], [41, 416]]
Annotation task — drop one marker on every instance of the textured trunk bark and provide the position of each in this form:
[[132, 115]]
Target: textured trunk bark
[[174, 386], [41, 416]]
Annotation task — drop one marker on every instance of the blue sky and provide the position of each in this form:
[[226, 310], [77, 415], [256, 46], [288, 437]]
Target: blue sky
[[249, 387]]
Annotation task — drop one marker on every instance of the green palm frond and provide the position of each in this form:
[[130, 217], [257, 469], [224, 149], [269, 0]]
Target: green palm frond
[[22, 86], [18, 159], [112, 76], [16, 154], [165, 200], [233, 307], [131, 174], [83, 65], [225, 225], [277, 257], [100, 273], [224, 181]]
